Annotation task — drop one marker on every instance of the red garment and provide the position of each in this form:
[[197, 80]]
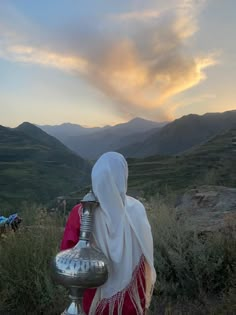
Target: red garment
[[70, 239]]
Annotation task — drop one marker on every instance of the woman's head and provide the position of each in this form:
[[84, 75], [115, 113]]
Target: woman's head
[[109, 177]]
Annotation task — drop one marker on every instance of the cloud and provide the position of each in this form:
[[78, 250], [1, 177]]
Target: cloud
[[140, 60], [29, 54], [137, 15]]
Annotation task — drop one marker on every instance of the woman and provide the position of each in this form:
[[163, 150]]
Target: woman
[[123, 233]]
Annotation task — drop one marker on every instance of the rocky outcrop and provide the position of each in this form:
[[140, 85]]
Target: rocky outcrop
[[209, 208]]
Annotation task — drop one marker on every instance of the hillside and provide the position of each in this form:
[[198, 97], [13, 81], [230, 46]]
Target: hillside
[[36, 167], [211, 163], [181, 134]]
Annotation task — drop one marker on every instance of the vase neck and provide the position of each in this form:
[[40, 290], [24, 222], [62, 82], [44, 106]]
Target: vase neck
[[86, 224]]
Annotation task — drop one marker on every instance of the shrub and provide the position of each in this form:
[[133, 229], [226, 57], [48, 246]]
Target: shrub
[[190, 266], [25, 281]]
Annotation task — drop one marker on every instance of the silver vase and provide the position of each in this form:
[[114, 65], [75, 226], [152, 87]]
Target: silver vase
[[83, 266]]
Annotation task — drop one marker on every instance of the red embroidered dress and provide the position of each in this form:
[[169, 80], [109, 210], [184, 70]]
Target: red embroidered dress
[[70, 239]]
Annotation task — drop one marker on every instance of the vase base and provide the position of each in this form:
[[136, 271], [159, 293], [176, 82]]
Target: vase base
[[74, 309]]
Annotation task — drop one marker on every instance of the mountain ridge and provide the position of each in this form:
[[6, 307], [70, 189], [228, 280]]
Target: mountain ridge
[[182, 134]]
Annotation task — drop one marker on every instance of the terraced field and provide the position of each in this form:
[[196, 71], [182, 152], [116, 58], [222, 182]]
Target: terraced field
[[213, 162]]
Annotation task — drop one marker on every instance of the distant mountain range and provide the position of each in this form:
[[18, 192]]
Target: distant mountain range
[[66, 131], [34, 166], [90, 143], [142, 138]]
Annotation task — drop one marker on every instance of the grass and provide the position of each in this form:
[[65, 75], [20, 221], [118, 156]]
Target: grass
[[25, 281], [195, 274]]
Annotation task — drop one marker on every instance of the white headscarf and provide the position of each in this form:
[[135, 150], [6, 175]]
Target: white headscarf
[[121, 227]]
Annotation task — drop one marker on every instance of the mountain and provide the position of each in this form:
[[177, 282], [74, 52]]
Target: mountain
[[91, 146], [181, 134], [65, 131], [136, 125], [213, 162], [37, 167]]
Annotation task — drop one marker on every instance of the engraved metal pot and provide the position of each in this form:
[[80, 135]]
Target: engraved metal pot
[[83, 266]]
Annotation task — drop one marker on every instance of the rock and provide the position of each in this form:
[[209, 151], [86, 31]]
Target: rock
[[208, 208]]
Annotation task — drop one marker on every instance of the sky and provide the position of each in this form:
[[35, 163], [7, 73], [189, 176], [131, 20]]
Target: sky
[[103, 62]]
